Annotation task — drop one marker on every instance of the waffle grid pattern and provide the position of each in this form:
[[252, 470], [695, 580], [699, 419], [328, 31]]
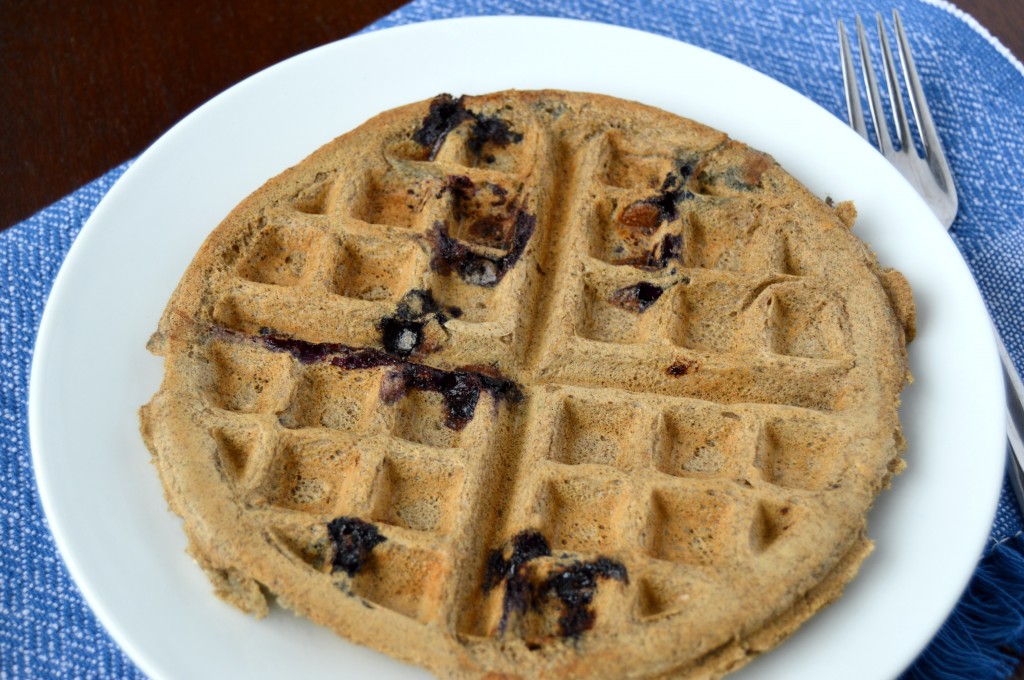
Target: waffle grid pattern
[[656, 478]]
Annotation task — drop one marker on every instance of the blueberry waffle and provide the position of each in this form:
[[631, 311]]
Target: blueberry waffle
[[533, 384]]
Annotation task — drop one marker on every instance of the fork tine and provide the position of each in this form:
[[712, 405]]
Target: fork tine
[[922, 116], [899, 113], [874, 98], [930, 176], [855, 112]]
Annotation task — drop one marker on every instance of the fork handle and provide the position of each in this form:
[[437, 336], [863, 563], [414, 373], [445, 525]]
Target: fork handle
[[1014, 420]]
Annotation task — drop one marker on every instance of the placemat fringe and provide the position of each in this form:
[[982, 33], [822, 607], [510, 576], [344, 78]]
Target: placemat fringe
[[984, 636]]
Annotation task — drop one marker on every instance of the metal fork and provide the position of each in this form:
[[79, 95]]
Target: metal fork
[[929, 175]]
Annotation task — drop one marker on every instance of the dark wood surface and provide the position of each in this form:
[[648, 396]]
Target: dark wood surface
[[87, 85]]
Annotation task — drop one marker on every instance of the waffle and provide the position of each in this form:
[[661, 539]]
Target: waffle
[[533, 384]]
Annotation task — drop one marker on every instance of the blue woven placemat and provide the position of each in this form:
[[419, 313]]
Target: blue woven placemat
[[976, 91]]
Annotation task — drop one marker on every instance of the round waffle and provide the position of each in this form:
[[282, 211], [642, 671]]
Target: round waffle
[[533, 384]]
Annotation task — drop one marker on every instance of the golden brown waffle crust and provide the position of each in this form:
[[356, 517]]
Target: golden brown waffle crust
[[691, 371]]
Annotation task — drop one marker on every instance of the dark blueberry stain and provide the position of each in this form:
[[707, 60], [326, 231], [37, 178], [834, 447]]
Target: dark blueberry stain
[[403, 332], [744, 177], [658, 257], [636, 298], [416, 304], [334, 353], [492, 228], [460, 390], [353, 541], [451, 255], [489, 230], [461, 186], [446, 113], [573, 585], [401, 336], [646, 214], [361, 358], [526, 545], [303, 351], [491, 130], [682, 367], [684, 171], [643, 218], [516, 572]]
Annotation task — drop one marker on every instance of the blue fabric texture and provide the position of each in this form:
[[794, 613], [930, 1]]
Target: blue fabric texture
[[976, 95]]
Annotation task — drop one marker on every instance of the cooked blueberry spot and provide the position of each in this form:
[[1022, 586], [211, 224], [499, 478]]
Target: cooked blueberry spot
[[488, 229], [334, 353], [516, 572], [461, 186], [682, 367], [478, 220], [304, 352], [446, 113], [460, 390], [744, 177], [400, 336], [664, 251], [643, 216], [355, 358], [491, 130], [452, 256], [636, 298], [684, 170], [480, 272], [416, 304], [641, 220], [526, 545], [670, 248], [353, 541], [405, 331], [647, 214], [574, 585]]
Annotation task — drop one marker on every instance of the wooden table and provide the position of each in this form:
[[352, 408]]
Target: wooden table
[[87, 85]]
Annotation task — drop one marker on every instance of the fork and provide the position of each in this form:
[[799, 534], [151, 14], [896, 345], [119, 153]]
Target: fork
[[928, 174]]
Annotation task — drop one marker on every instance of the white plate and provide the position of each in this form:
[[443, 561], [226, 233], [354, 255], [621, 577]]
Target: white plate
[[91, 372]]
